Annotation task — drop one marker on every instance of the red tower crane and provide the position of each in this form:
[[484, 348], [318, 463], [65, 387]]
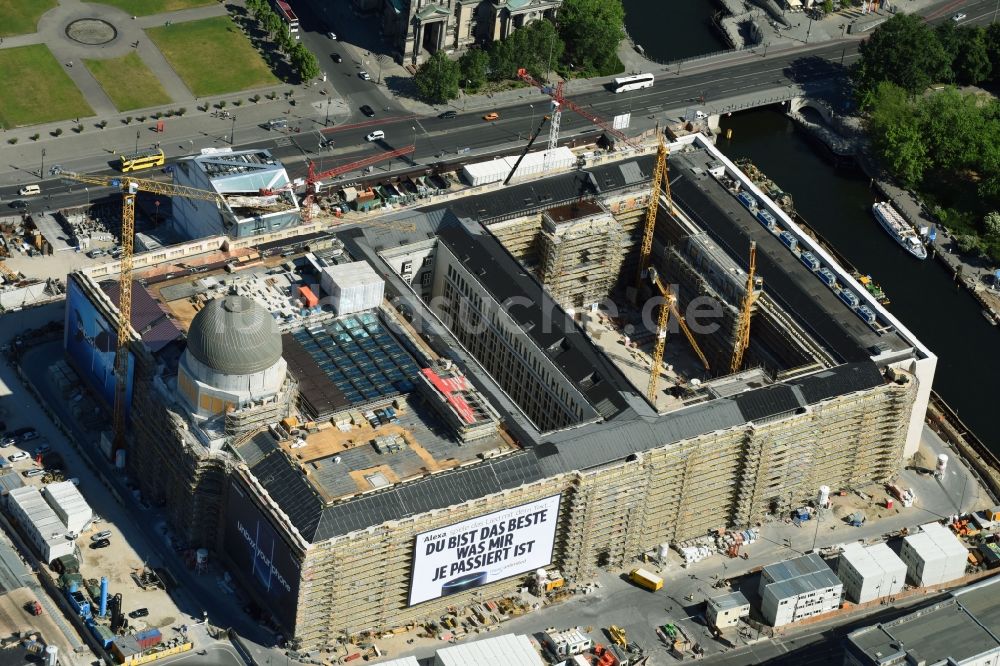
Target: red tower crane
[[557, 95], [312, 178]]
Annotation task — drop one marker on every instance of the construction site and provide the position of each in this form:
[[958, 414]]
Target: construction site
[[409, 415]]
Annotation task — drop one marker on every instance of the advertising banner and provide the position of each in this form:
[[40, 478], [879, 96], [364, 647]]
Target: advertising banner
[[260, 556], [90, 341], [483, 550]]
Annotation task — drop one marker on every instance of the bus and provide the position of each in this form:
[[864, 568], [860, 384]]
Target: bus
[[626, 83], [284, 10], [143, 159]]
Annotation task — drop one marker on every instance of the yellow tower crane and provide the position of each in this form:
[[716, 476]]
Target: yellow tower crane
[[661, 178], [754, 284], [669, 306], [129, 187]]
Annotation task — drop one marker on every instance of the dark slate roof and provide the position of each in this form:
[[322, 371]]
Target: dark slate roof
[[565, 344], [289, 488], [559, 189], [767, 402], [433, 492], [149, 318], [318, 395], [789, 283], [842, 380]]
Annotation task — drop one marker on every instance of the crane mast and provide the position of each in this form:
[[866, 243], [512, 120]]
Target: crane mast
[[742, 341], [660, 174], [668, 307], [130, 187]]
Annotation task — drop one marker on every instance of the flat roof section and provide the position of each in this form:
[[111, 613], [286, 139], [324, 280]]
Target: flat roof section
[[347, 462], [360, 361], [786, 279]]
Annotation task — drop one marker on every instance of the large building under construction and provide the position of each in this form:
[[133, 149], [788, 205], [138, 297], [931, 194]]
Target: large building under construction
[[432, 412]]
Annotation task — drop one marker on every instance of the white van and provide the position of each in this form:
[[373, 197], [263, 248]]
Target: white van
[[377, 135], [29, 190]]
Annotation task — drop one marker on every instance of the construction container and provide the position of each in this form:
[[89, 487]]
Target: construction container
[[148, 638], [66, 564], [103, 634], [125, 647], [646, 579], [790, 241], [310, 299], [353, 287], [747, 200]]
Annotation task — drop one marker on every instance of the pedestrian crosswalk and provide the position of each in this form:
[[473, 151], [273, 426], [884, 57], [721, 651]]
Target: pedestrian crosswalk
[[283, 141]]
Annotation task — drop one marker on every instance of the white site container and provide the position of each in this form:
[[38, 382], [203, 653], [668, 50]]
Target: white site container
[[353, 287], [533, 164]]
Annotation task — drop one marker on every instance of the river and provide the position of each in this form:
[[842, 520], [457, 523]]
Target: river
[[924, 297], [673, 29]]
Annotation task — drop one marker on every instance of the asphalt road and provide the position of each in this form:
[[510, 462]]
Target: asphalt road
[[438, 139]]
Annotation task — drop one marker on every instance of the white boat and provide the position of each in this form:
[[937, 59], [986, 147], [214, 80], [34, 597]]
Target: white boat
[[899, 229]]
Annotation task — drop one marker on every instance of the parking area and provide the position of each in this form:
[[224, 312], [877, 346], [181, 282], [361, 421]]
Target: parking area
[[43, 454]]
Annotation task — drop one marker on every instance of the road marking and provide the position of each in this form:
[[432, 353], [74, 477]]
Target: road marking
[[282, 142]]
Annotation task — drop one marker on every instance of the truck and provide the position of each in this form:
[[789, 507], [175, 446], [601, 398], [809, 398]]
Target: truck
[[645, 579]]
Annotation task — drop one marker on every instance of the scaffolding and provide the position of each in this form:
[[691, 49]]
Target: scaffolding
[[581, 258]]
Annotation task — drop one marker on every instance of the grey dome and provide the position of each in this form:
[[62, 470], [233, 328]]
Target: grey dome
[[235, 336]]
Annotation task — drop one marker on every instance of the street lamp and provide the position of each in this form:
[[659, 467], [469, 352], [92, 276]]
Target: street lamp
[[531, 123], [137, 141], [326, 123], [232, 134], [414, 144], [41, 170], [380, 57]]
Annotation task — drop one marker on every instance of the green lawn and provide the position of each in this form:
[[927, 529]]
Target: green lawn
[[147, 7], [212, 56], [47, 94], [128, 82], [21, 16]]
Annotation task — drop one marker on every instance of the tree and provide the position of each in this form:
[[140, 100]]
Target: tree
[[991, 226], [304, 62], [828, 6], [504, 60], [951, 41], [271, 22], [538, 47], [896, 134], [474, 65], [972, 65], [903, 51], [970, 244], [592, 30], [992, 39], [285, 42], [437, 79], [953, 126]]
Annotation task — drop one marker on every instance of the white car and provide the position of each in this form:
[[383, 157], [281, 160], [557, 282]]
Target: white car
[[958, 17], [332, 36], [377, 135], [20, 455], [365, 75]]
